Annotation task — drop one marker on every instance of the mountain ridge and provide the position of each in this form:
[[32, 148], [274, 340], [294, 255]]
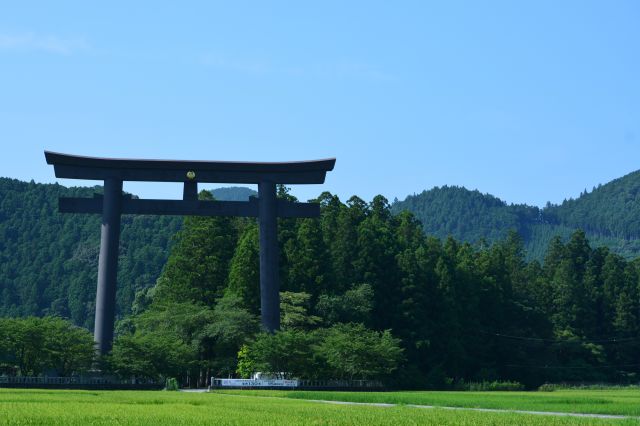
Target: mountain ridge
[[609, 214], [48, 261]]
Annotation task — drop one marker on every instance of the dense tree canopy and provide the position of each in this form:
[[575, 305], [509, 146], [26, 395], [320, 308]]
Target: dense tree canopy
[[434, 309], [437, 310], [49, 261], [33, 346], [609, 214]]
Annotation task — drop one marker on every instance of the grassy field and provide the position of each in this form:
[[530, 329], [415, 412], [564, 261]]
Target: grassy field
[[45, 407], [623, 402]]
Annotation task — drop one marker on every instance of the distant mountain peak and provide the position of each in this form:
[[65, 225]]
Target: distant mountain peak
[[233, 193], [610, 214]]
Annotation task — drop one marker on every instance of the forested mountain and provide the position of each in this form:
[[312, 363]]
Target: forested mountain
[[233, 193], [610, 215], [611, 210], [49, 261], [457, 312], [188, 290], [467, 215]]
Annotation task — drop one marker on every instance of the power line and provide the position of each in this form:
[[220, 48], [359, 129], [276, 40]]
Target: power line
[[540, 339], [558, 367]]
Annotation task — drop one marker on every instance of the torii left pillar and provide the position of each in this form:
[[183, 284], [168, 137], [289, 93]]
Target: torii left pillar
[[108, 265]]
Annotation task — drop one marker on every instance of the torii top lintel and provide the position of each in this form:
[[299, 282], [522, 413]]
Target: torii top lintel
[[94, 168]]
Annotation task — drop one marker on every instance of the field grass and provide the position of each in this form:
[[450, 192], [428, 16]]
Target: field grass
[[621, 402], [46, 407]]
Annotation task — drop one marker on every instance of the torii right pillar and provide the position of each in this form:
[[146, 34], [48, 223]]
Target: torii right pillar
[[269, 273]]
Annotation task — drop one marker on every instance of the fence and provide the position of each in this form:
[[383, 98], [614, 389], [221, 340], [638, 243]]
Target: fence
[[341, 384], [357, 385], [75, 382]]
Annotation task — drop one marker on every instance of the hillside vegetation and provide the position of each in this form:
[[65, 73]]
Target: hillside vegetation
[[360, 281], [365, 294], [49, 261], [609, 214]]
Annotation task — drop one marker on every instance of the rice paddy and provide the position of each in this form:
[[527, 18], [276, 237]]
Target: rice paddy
[[60, 407]]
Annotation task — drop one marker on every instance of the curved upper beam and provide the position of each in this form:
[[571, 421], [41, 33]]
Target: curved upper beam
[[94, 168]]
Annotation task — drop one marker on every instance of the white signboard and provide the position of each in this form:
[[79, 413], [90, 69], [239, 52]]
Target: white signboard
[[241, 383]]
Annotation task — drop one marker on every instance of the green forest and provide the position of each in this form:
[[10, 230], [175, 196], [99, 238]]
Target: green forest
[[367, 292], [49, 261], [609, 214]]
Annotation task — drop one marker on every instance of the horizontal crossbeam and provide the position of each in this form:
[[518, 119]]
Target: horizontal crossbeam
[[93, 168], [144, 175], [188, 207]]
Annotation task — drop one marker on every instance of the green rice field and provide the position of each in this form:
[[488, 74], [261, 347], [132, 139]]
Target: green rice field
[[45, 407], [617, 402]]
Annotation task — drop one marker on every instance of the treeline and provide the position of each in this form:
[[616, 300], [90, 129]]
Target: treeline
[[440, 310], [35, 346], [454, 311], [48, 261]]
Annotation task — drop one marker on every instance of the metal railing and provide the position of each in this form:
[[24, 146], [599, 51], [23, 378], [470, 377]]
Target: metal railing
[[74, 380], [295, 384], [340, 383]]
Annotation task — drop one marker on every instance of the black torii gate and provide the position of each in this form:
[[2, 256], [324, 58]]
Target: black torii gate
[[267, 208]]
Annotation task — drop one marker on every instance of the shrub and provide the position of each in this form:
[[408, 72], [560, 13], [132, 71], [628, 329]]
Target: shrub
[[33, 345], [171, 384], [353, 351], [550, 387], [487, 386]]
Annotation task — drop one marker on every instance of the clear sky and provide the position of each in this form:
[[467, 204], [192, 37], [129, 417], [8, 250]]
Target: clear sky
[[530, 101]]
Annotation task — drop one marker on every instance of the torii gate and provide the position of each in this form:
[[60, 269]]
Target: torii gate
[[267, 208]]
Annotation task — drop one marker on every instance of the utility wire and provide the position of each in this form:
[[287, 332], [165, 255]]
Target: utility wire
[[539, 339], [558, 367]]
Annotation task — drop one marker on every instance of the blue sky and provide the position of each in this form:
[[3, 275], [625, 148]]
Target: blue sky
[[530, 101]]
